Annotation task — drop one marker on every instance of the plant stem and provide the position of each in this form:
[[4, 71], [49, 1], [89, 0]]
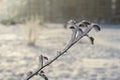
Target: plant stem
[[74, 39], [60, 53]]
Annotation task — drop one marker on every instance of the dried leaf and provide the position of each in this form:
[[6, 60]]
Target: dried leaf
[[96, 27], [46, 58], [81, 25], [86, 22], [71, 27], [92, 40], [42, 72], [43, 76]]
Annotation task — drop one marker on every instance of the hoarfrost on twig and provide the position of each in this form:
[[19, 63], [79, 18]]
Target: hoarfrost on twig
[[77, 34]]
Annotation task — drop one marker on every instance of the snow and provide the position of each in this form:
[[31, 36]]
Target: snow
[[82, 62]]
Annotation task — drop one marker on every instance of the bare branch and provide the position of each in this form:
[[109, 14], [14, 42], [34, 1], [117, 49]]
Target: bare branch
[[76, 36]]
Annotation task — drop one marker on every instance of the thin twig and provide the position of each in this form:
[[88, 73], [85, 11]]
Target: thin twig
[[74, 39]]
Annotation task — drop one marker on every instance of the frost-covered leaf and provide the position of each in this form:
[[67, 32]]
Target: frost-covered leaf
[[46, 58], [43, 75], [92, 40], [71, 27], [42, 72], [86, 22], [96, 27]]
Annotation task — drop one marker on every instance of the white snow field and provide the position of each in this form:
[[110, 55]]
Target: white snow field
[[83, 61]]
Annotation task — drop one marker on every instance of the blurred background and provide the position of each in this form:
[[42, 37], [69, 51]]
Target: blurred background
[[30, 28], [101, 11]]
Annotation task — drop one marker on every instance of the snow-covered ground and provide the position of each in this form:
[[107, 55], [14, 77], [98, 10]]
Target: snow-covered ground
[[82, 62]]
